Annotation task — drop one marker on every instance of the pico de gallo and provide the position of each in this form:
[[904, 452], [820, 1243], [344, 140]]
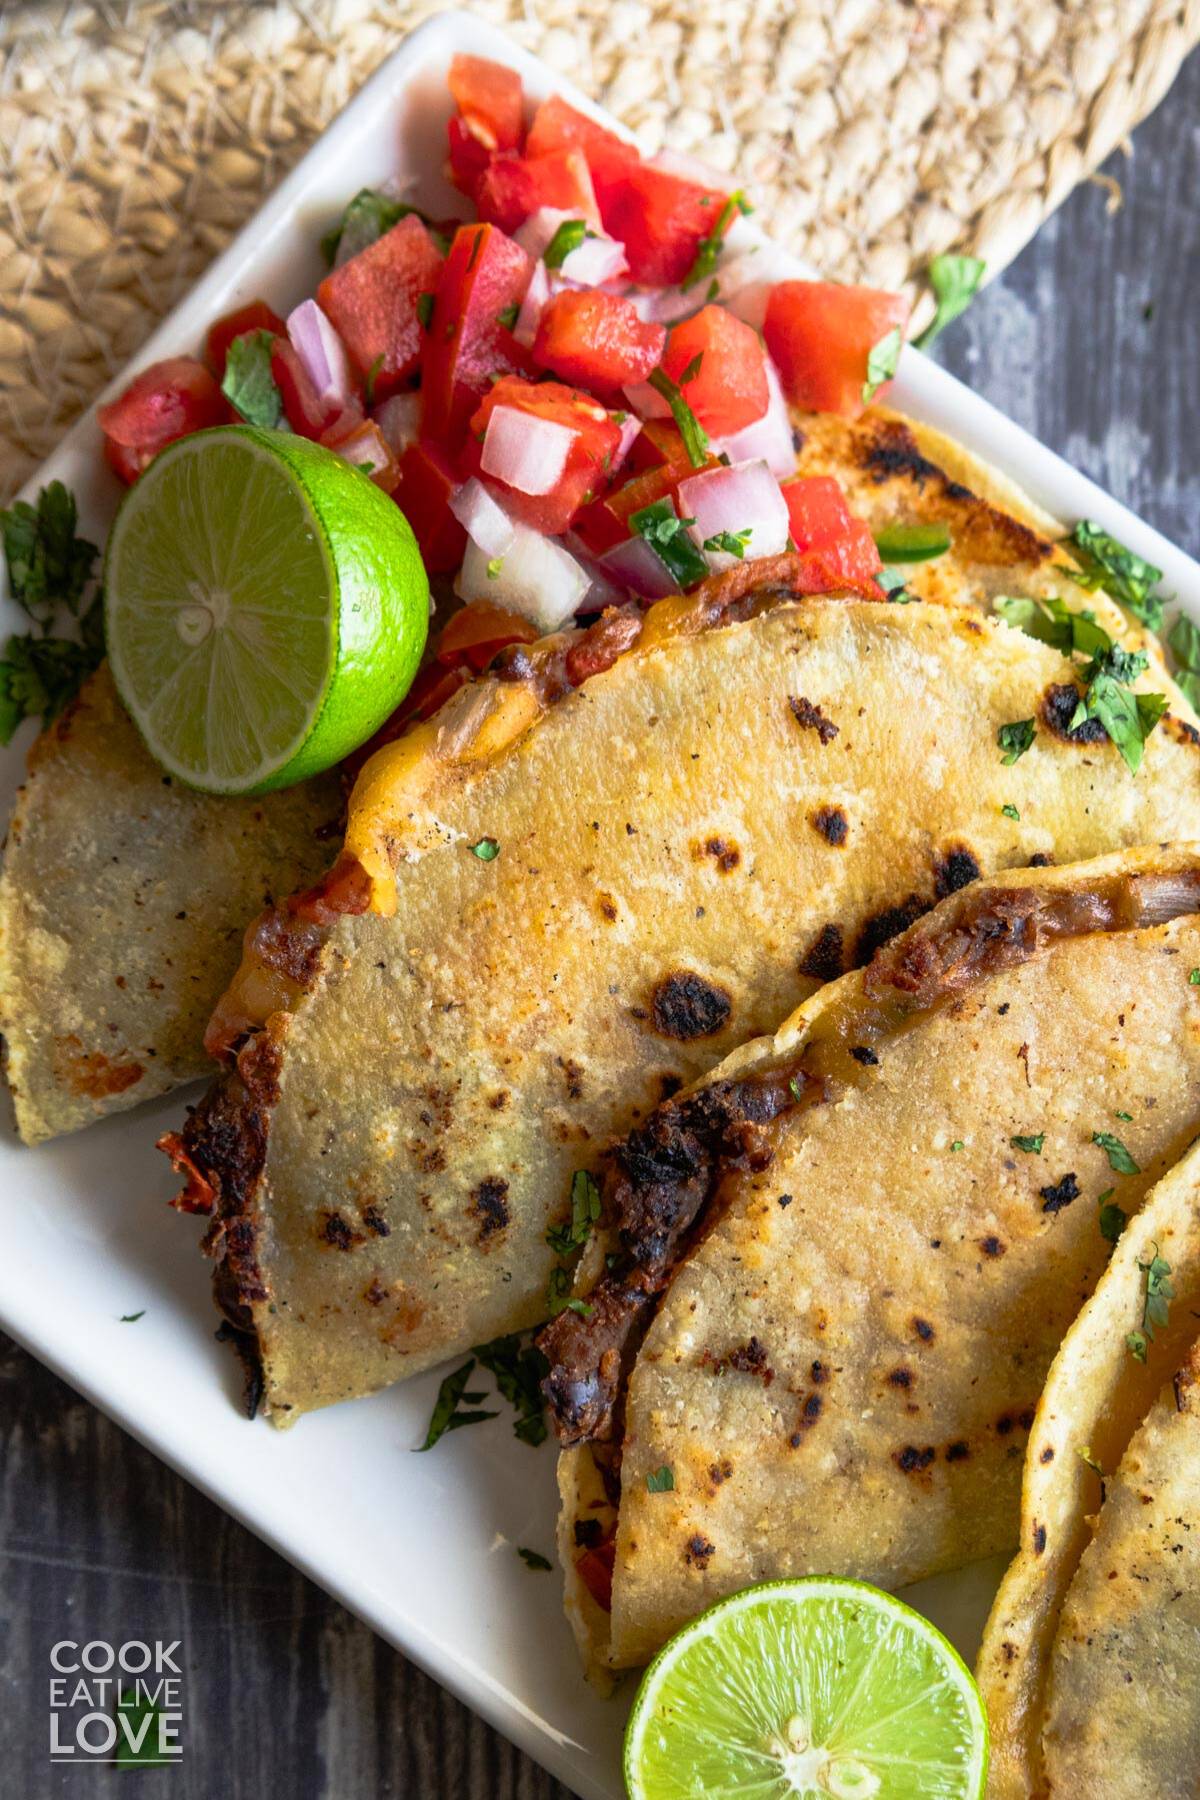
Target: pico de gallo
[[579, 399]]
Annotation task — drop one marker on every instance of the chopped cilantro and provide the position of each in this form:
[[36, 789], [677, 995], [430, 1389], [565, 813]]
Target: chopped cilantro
[[710, 246], [365, 219], [1113, 1218], [955, 281], [519, 1369], [1194, 978], [446, 1416], [1106, 563], [49, 569], [1128, 1117], [1014, 739], [1184, 640], [881, 363], [1052, 622], [1119, 1159], [559, 1297], [695, 438], [957, 1144], [795, 1089], [533, 1559], [248, 383], [425, 310], [1010, 811], [132, 1318], [508, 316], [1128, 718], [495, 564], [1156, 1303], [661, 1481], [1031, 1145], [372, 378], [487, 849], [1084, 1453], [734, 543], [568, 237], [585, 1212], [912, 543], [666, 533]]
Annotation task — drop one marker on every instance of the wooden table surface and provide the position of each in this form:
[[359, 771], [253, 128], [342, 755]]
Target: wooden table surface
[[1092, 341]]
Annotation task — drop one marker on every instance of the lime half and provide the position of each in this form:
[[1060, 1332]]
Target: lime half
[[817, 1688], [265, 608]]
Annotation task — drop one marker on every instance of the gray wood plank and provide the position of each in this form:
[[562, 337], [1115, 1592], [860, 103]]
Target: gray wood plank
[[1091, 341]]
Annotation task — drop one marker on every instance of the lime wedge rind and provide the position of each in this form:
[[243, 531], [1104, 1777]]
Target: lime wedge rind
[[814, 1688]]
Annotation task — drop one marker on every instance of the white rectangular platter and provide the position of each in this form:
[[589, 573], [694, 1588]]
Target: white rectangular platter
[[422, 1548]]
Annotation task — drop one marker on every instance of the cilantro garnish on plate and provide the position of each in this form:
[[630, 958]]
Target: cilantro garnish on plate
[[1105, 563], [49, 571], [955, 282]]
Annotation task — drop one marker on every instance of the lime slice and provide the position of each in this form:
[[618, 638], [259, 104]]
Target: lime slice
[[265, 608], [817, 1688]]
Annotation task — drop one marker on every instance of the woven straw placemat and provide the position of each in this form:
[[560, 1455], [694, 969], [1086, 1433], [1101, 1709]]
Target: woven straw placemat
[[136, 136]]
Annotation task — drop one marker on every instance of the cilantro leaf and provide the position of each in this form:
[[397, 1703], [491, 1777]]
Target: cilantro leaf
[[1015, 738], [559, 1297], [1010, 811], [367, 217], [661, 1481], [519, 1369], [48, 565], [1052, 622], [1156, 1303], [1113, 1218], [667, 536], [881, 363], [40, 675], [446, 1416], [1119, 1159], [487, 849], [695, 438], [734, 543], [1128, 718], [585, 1212], [132, 1318], [568, 237], [248, 383], [955, 282], [710, 246], [533, 1559], [1031, 1145], [1106, 563]]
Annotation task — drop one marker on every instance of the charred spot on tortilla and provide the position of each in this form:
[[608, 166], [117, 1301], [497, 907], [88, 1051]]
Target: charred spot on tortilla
[[573, 1077], [862, 1053], [1047, 1455], [749, 1359], [956, 867], [374, 1220], [375, 1293], [1057, 709], [832, 824], [699, 1550], [725, 854], [1060, 1193], [914, 1461], [991, 1246], [499, 1100], [1039, 1539], [894, 453], [684, 1005], [819, 1373], [958, 1451], [608, 908], [339, 1233], [720, 1471], [489, 1203], [883, 926], [924, 1330], [669, 1084], [810, 718], [900, 1377], [824, 958]]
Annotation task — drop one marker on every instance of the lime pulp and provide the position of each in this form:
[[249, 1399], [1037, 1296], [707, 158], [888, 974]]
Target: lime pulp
[[820, 1688], [265, 608]]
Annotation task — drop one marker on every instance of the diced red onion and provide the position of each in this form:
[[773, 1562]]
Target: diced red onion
[[602, 591], [321, 351], [646, 401], [596, 260], [399, 419], [636, 566], [629, 432], [535, 577], [482, 518], [666, 306], [367, 448], [745, 280], [768, 439], [524, 451], [743, 497], [532, 306]]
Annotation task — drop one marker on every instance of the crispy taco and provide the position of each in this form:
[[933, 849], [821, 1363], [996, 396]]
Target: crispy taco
[[123, 899], [576, 889], [815, 1323], [1090, 1665]]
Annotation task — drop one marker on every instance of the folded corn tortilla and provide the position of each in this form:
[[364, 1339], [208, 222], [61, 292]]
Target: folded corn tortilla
[[842, 1265]]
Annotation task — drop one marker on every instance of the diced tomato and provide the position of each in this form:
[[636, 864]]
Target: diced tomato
[[820, 337], [595, 1567], [303, 408], [729, 389], [168, 400], [427, 480], [660, 441], [514, 187], [817, 510], [257, 316], [365, 446], [483, 277], [468, 159], [854, 557], [596, 340], [661, 219], [597, 438], [373, 302], [477, 633], [489, 98], [557, 126]]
